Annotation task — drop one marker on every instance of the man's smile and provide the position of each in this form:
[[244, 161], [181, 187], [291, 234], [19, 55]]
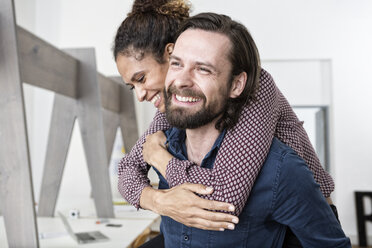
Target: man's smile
[[187, 99]]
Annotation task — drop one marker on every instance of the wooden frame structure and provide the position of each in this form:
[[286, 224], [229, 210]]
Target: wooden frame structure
[[100, 104]]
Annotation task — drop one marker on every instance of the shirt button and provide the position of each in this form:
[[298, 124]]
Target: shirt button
[[185, 237]]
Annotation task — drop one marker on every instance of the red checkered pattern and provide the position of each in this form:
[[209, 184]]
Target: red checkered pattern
[[240, 157]]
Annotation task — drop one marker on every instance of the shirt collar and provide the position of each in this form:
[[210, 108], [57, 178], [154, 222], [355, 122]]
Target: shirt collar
[[176, 144]]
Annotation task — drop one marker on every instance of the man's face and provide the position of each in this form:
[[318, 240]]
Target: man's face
[[197, 83]]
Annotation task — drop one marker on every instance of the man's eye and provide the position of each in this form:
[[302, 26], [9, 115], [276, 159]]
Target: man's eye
[[174, 63], [204, 69]]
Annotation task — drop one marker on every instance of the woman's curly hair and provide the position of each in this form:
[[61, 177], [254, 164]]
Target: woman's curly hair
[[149, 27]]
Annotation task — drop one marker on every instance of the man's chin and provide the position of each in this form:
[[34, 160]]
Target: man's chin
[[184, 120], [183, 110]]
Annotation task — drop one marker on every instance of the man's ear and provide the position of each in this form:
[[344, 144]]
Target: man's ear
[[238, 84]]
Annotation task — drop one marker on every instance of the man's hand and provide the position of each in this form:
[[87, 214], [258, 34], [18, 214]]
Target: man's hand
[[155, 153], [183, 205]]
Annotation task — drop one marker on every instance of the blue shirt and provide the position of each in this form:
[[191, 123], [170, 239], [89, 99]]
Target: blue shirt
[[284, 194]]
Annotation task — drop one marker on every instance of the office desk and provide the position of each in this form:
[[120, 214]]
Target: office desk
[[133, 224]]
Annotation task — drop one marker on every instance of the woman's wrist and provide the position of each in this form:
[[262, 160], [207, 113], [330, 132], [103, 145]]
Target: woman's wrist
[[148, 199], [161, 161]]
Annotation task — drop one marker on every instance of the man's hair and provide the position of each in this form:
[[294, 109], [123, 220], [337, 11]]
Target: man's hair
[[243, 56], [149, 27]]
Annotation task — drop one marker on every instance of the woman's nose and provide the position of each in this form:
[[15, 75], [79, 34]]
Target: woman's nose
[[140, 93]]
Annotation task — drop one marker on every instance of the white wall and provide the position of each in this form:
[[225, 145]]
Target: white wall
[[335, 30]]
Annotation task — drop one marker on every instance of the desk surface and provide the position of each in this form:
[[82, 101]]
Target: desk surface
[[55, 234], [133, 224]]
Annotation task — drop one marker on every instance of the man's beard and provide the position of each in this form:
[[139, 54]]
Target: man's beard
[[180, 118]]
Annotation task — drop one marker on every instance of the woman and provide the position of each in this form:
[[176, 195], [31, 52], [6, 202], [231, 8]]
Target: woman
[[142, 46]]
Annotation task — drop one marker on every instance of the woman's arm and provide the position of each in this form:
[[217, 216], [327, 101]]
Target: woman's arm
[[132, 169], [291, 131], [181, 203]]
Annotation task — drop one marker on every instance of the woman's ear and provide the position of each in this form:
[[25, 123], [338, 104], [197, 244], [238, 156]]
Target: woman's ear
[[238, 84], [168, 50]]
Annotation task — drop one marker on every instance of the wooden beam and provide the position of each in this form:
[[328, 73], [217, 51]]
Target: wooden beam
[[111, 123], [128, 120], [87, 109], [89, 114], [45, 66], [110, 93], [16, 191], [59, 138]]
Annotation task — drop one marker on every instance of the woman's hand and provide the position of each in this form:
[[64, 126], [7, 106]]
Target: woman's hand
[[183, 205], [155, 153]]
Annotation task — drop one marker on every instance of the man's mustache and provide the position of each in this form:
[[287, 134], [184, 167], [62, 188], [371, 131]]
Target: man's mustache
[[183, 92]]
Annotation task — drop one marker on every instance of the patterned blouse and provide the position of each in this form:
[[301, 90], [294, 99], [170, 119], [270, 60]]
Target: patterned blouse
[[240, 157]]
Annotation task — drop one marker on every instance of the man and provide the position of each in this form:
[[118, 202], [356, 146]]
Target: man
[[203, 82]]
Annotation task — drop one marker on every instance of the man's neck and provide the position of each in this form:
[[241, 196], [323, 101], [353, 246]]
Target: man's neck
[[199, 141]]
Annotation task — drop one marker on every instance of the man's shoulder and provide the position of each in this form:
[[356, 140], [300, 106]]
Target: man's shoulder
[[292, 174], [279, 150], [281, 162], [290, 164]]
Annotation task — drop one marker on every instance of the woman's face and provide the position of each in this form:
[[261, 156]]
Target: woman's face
[[145, 76]]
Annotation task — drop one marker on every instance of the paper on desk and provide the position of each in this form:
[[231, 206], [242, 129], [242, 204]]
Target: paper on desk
[[50, 235], [124, 208]]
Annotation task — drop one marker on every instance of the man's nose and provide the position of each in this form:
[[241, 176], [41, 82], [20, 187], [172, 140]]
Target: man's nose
[[183, 79], [140, 93]]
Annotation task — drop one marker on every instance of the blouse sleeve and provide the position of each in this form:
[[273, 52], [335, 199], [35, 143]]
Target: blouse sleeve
[[291, 131], [133, 170], [245, 147]]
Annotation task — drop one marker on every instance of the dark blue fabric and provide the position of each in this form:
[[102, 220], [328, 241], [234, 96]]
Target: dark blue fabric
[[177, 146], [284, 194]]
